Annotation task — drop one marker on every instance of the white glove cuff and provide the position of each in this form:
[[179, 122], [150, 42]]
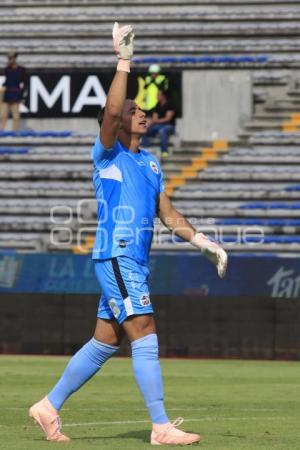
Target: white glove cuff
[[123, 65], [200, 241]]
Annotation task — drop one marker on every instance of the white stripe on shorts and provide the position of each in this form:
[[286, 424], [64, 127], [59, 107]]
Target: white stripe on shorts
[[128, 306]]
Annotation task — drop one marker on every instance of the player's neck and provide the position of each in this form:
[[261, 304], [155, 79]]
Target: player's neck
[[131, 141]]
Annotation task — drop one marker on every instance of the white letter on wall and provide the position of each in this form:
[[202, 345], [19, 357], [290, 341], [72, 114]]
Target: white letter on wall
[[92, 83], [37, 89]]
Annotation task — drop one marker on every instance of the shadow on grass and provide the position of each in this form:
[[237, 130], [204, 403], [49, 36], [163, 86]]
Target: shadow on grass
[[239, 436], [141, 435]]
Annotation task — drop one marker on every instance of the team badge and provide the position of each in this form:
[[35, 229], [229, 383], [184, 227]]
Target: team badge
[[154, 167], [145, 300]]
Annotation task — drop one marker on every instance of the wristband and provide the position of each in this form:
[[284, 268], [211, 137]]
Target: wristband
[[123, 65]]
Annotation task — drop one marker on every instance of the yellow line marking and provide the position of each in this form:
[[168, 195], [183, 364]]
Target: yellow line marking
[[220, 145], [292, 125], [289, 127], [295, 116], [197, 164]]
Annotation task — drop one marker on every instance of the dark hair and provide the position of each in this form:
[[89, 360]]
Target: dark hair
[[164, 92], [12, 55], [100, 116]]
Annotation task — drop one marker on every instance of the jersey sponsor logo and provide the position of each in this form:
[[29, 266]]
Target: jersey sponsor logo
[[145, 300], [154, 167], [114, 307]]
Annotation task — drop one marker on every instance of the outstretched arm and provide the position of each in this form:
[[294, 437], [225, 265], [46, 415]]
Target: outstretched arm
[[123, 46], [177, 223]]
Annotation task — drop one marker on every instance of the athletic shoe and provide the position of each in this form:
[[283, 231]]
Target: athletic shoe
[[48, 419], [168, 434]]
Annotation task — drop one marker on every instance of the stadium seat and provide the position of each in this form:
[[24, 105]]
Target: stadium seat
[[217, 34]]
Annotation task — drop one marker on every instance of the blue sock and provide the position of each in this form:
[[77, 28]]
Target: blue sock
[[146, 368], [84, 364]]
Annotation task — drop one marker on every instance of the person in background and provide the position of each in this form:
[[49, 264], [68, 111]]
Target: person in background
[[161, 123], [149, 86], [14, 93]]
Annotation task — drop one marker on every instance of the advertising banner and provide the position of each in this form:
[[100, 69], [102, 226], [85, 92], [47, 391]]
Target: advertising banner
[[171, 274], [68, 93]]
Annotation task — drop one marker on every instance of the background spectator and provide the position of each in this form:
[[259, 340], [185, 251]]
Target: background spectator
[[161, 123], [147, 98], [14, 91]]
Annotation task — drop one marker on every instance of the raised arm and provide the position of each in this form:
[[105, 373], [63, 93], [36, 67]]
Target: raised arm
[[182, 228], [123, 46]]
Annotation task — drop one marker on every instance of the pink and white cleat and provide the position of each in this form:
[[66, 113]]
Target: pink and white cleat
[[48, 419], [168, 434]]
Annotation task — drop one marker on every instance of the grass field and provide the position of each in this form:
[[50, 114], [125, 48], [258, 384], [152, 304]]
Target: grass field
[[234, 405]]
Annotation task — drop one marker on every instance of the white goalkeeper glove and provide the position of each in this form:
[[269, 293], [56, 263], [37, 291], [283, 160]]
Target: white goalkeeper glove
[[123, 45], [212, 251]]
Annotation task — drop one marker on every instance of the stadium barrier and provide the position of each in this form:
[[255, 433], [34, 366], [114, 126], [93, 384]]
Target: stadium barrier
[[48, 304], [189, 326]]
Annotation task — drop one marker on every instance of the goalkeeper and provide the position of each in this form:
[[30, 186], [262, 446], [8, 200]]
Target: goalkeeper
[[130, 192]]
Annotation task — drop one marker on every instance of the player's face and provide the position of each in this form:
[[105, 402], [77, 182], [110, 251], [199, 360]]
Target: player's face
[[133, 118]]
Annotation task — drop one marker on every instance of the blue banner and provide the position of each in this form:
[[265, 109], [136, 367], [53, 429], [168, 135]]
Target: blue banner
[[171, 274]]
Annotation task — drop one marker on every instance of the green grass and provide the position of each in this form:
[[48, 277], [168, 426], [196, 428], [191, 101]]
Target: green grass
[[234, 405]]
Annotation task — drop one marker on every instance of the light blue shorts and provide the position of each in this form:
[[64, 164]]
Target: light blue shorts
[[124, 286]]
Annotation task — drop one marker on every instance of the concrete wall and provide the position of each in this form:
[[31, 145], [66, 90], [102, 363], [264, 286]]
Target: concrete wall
[[215, 104]]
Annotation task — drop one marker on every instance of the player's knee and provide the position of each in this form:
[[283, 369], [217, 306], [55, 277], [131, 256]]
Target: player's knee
[[107, 338], [138, 326], [108, 332]]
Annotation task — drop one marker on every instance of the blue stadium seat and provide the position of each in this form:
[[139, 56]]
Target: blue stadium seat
[[259, 222], [30, 133], [282, 239], [262, 59], [12, 150], [265, 239], [273, 205], [293, 188]]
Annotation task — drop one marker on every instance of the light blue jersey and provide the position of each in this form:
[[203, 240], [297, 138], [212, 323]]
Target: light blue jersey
[[127, 187]]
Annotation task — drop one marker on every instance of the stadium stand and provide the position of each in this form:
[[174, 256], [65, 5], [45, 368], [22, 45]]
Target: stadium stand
[[247, 192], [236, 33]]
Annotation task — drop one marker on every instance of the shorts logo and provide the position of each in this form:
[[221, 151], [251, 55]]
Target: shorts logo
[[145, 300], [154, 167], [114, 307], [132, 277]]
